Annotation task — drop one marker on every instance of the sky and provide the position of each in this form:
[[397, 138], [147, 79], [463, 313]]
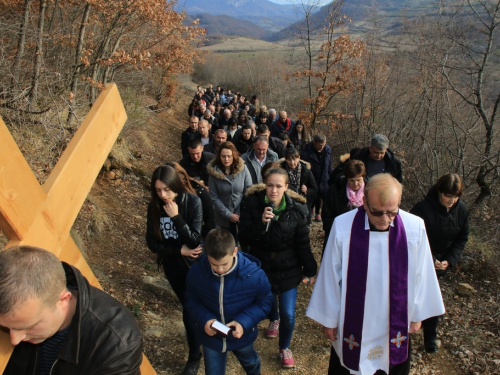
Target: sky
[[322, 2]]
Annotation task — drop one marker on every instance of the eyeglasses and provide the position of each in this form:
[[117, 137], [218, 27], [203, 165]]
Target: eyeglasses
[[391, 214]]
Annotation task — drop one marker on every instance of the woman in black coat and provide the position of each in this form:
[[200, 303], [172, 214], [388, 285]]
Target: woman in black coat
[[273, 223], [174, 222], [447, 223], [344, 195]]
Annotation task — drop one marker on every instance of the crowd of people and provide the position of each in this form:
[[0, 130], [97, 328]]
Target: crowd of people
[[229, 223], [268, 178]]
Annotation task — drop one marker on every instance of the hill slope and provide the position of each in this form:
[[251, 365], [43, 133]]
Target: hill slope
[[386, 11], [263, 13], [220, 25]]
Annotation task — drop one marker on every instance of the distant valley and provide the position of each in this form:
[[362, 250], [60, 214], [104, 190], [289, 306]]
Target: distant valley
[[263, 19]]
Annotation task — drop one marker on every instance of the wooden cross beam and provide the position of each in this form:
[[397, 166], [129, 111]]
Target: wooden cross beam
[[42, 216]]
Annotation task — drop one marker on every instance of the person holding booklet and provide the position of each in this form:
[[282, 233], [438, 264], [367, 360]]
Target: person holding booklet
[[227, 294]]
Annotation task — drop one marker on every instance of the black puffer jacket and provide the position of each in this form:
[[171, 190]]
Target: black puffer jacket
[[448, 231], [187, 224], [284, 250], [103, 337]]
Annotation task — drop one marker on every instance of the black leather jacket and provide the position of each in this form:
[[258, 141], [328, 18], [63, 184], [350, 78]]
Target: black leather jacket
[[188, 225], [103, 338]]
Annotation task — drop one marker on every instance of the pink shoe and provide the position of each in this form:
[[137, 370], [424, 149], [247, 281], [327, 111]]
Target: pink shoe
[[287, 358], [272, 330]]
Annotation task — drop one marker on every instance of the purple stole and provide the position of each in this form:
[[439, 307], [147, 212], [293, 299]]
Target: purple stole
[[356, 290]]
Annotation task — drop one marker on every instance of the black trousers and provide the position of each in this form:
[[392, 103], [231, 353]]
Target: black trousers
[[335, 368], [430, 328]]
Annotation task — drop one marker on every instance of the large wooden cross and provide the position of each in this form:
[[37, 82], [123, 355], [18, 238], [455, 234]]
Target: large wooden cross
[[42, 216]]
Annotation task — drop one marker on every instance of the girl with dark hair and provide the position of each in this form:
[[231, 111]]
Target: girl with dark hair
[[174, 222], [243, 117], [199, 189], [344, 195], [299, 136], [447, 223], [229, 180], [274, 224]]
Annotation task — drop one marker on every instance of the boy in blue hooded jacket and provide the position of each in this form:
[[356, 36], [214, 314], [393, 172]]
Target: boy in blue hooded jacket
[[229, 287]]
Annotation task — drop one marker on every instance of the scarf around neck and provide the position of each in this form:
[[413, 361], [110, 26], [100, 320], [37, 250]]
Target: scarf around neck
[[355, 197]]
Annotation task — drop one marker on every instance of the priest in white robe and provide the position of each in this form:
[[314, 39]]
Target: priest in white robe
[[376, 284]]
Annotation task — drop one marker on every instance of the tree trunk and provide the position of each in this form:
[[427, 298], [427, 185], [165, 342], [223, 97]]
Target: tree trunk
[[38, 54], [21, 44], [78, 53]]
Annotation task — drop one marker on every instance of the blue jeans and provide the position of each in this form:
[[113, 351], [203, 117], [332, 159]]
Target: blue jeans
[[286, 315], [215, 362]]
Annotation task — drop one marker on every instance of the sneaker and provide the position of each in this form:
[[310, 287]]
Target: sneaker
[[318, 218], [286, 358], [192, 366], [272, 330]]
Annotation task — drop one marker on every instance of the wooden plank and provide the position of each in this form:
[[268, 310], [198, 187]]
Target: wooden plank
[[74, 174], [6, 349], [19, 202]]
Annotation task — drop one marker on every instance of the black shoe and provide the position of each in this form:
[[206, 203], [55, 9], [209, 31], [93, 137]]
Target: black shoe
[[431, 346], [192, 366]]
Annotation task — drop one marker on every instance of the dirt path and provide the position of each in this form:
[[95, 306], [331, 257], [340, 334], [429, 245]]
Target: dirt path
[[111, 231]]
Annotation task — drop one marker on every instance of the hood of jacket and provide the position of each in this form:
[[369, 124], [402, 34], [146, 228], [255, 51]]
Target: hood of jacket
[[215, 171], [290, 193], [344, 158]]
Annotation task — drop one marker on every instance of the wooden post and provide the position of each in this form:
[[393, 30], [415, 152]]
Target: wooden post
[[42, 216]]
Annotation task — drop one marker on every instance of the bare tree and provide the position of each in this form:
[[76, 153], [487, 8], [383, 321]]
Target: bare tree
[[464, 42]]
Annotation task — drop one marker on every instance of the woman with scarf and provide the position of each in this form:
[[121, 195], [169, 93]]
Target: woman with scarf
[[300, 177], [344, 195]]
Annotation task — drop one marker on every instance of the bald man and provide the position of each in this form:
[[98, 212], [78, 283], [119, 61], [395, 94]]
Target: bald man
[[376, 284]]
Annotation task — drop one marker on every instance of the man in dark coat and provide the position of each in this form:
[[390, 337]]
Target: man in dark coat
[[245, 141], [59, 323], [195, 163], [379, 158], [190, 133], [275, 144], [319, 155], [220, 137]]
